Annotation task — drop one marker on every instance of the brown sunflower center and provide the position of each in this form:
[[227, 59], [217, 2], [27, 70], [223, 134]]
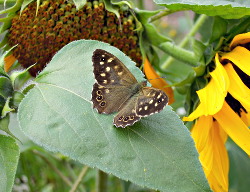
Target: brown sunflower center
[[58, 22]]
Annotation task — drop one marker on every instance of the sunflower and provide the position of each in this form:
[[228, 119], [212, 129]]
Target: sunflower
[[39, 29], [223, 111]]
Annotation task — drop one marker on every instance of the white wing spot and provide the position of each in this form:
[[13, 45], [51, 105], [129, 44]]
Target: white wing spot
[[159, 96], [101, 63], [116, 66], [156, 104], [100, 87], [105, 81], [112, 80], [140, 109], [110, 60], [103, 74], [106, 90], [151, 101], [108, 69], [103, 55], [146, 108], [120, 73]]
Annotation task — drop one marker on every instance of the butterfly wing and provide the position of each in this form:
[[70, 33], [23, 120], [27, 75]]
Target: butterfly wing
[[150, 101], [109, 70], [109, 99], [114, 81], [127, 116]]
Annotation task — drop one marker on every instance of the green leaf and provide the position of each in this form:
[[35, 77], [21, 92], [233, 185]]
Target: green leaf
[[6, 88], [9, 155], [227, 9], [4, 126], [150, 33], [157, 152], [239, 168], [79, 3]]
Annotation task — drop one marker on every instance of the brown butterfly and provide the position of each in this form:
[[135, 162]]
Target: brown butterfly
[[117, 90]]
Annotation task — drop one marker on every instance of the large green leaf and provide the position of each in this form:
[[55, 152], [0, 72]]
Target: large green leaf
[[156, 152], [227, 9], [9, 155]]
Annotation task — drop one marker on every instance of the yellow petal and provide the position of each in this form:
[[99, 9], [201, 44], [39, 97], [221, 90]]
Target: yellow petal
[[237, 88], [213, 95], [223, 134], [206, 157], [245, 118], [200, 131], [234, 127], [240, 56], [221, 162], [158, 82], [240, 39], [195, 114], [214, 158]]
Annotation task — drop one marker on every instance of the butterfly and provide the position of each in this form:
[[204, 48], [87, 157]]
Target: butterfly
[[117, 90]]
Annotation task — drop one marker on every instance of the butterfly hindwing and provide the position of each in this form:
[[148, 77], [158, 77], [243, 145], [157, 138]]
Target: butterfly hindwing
[[150, 101], [127, 116], [109, 99], [109, 70]]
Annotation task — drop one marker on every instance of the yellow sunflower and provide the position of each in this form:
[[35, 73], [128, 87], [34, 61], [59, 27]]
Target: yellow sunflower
[[224, 110]]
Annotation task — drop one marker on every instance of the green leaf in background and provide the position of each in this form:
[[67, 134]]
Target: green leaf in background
[[6, 88], [157, 152], [79, 3], [9, 155], [227, 9], [239, 168]]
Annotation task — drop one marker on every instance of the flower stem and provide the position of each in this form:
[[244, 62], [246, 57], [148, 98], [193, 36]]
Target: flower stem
[[101, 181], [186, 56], [140, 4], [79, 179], [65, 179], [160, 15]]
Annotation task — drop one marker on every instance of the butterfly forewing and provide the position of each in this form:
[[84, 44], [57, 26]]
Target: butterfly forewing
[[114, 82], [109, 70], [150, 101]]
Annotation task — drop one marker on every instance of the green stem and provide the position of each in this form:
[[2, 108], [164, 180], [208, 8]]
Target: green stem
[[140, 4], [65, 179], [101, 181], [73, 175], [179, 53], [184, 42], [79, 179], [160, 15]]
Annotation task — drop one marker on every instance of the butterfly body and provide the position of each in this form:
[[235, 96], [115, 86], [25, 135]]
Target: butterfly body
[[117, 90]]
